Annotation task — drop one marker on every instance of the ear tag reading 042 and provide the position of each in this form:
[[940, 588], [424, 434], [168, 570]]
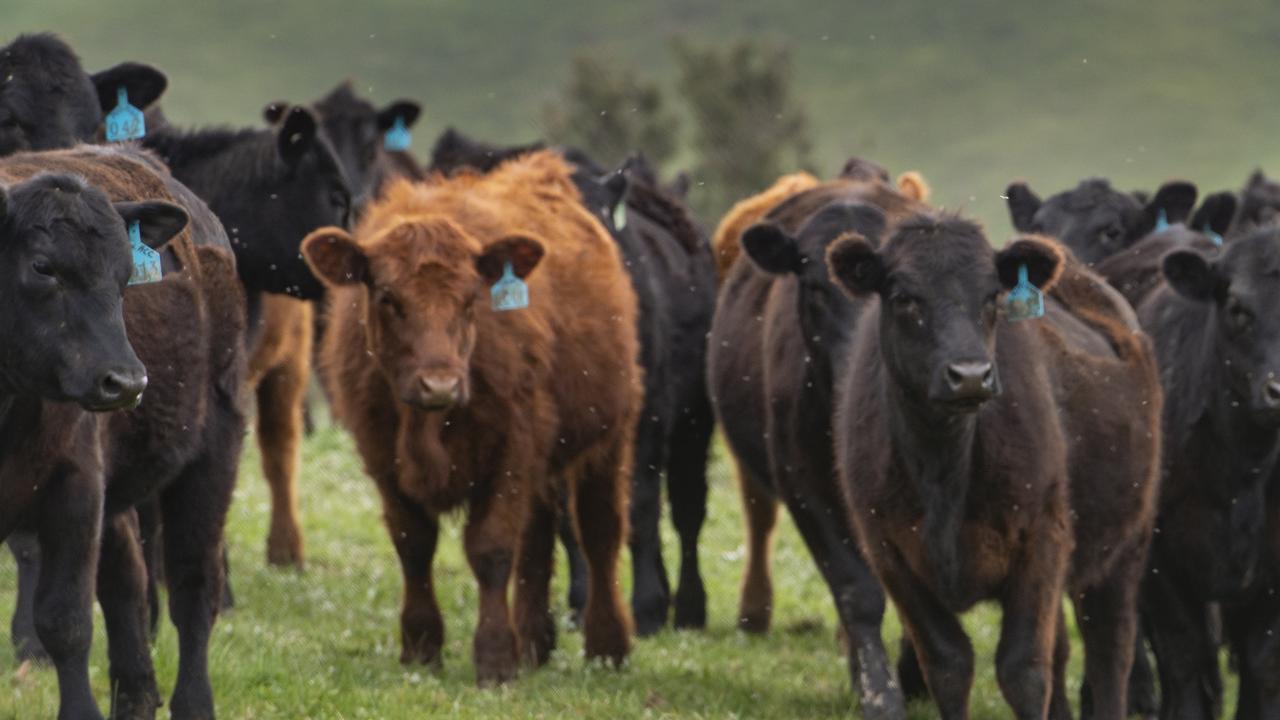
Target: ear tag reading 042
[[510, 292], [1025, 300], [125, 122], [397, 139], [1162, 221], [146, 262]]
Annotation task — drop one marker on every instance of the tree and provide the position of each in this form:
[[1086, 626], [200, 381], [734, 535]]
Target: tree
[[747, 127], [610, 112]]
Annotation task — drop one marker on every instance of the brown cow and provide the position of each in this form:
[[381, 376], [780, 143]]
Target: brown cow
[[453, 403]]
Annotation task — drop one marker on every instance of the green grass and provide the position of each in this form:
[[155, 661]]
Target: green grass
[[324, 644]]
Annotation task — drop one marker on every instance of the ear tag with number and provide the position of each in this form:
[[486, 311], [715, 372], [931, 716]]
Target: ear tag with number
[[1215, 237], [510, 292], [397, 139], [620, 215], [125, 122], [1162, 221], [1025, 300], [146, 262]]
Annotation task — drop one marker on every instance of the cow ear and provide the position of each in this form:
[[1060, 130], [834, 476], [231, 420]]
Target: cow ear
[[855, 266], [912, 184], [1042, 258], [1175, 199], [335, 257], [615, 188], [522, 252], [1215, 213], [1191, 274], [407, 110], [772, 249], [274, 111], [144, 84], [1023, 204], [296, 134], [157, 221], [679, 186]]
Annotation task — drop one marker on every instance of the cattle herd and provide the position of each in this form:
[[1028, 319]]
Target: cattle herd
[[1090, 412]]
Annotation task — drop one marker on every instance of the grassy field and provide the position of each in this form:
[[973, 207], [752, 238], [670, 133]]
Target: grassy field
[[324, 644]]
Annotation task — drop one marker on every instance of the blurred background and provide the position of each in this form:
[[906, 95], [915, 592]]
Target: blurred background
[[972, 94]]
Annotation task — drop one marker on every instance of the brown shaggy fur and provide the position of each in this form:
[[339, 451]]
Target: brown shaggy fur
[[545, 393], [747, 212]]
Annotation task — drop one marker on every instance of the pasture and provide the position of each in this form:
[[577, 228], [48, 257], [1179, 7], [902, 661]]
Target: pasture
[[324, 644]]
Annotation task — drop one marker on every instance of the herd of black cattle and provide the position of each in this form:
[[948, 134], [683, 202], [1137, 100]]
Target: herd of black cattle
[[1113, 436]]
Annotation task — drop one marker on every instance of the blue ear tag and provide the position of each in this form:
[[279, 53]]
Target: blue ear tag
[[510, 292], [1162, 221], [146, 262], [1215, 237], [397, 139], [125, 122], [1025, 300], [620, 215]]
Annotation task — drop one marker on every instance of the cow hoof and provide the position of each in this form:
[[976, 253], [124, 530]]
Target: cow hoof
[[285, 552], [607, 640], [650, 620], [135, 705], [30, 650], [539, 640], [754, 621], [495, 668], [691, 609]]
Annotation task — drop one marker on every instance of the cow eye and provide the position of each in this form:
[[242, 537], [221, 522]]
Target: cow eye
[[42, 267], [1112, 233], [1241, 317]]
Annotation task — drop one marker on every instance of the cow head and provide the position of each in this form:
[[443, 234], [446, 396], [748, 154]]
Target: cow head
[[940, 285], [65, 258], [1242, 285], [1094, 220], [356, 128], [424, 281], [1259, 203], [823, 310]]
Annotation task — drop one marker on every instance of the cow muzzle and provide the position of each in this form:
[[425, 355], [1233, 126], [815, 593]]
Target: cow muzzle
[[964, 386]]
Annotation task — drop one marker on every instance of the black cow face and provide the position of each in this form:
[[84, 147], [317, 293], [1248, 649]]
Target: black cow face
[[1243, 285], [356, 130], [47, 101], [940, 284], [823, 309], [1094, 220], [1259, 203], [65, 258]]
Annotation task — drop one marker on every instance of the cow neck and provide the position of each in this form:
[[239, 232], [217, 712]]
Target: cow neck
[[936, 453], [425, 465], [1242, 448]]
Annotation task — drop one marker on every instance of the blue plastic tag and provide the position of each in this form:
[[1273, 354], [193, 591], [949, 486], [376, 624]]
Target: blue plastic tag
[[1025, 300], [1215, 237], [397, 139], [125, 122], [1162, 221], [620, 216], [146, 262], [510, 292]]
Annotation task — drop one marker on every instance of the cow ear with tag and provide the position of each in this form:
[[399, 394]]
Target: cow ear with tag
[[335, 257], [1214, 216], [1173, 202], [616, 196], [394, 122], [504, 265], [142, 83], [1041, 256], [158, 222]]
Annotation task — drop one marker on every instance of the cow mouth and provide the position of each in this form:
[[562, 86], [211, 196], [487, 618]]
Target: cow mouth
[[102, 406], [966, 405]]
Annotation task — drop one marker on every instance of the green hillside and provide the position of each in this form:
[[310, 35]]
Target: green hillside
[[973, 94]]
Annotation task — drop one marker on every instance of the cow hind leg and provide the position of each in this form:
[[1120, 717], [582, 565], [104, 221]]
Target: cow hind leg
[[577, 594], [537, 629], [25, 548], [760, 508], [687, 494], [281, 394], [600, 511], [122, 593], [650, 590]]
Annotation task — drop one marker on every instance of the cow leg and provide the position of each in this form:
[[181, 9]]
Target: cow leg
[[760, 508], [858, 598], [194, 511], [25, 548], [536, 627], [1059, 704], [490, 537], [599, 507], [1255, 641], [577, 595], [414, 534], [122, 593], [148, 513], [1107, 617], [69, 529], [943, 649], [1185, 653], [910, 676], [687, 494], [281, 394], [650, 591]]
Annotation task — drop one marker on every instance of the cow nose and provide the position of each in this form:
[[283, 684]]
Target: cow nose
[[117, 388], [970, 378], [440, 389]]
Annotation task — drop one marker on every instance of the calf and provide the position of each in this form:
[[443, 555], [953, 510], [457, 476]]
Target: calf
[[454, 403], [65, 261], [780, 331], [1094, 220], [1219, 350], [180, 447], [984, 459]]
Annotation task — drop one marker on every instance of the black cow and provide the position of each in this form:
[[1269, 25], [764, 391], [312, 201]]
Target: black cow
[[986, 459], [47, 100], [1218, 343], [1259, 203], [1095, 220]]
